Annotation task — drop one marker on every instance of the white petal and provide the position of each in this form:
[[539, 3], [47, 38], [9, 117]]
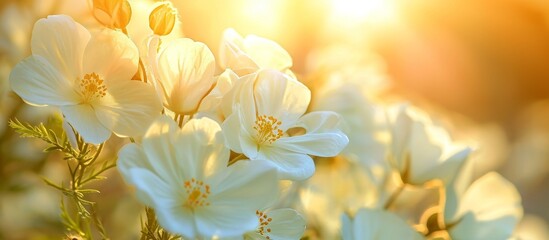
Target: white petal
[[245, 107], [196, 151], [128, 108], [233, 56], [159, 146], [287, 224], [242, 120], [178, 220], [279, 96], [231, 131], [267, 53], [401, 130], [243, 188], [246, 178], [39, 83], [322, 138], [231, 43], [132, 156], [82, 117], [249, 145], [201, 141], [185, 71], [381, 225], [112, 55], [327, 144], [212, 102], [291, 166], [61, 41], [346, 227], [491, 208], [151, 189], [234, 97], [456, 188], [320, 121], [445, 170]]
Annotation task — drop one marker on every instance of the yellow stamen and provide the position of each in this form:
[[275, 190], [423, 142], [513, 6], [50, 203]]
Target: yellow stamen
[[92, 87], [264, 222], [198, 193], [267, 129]]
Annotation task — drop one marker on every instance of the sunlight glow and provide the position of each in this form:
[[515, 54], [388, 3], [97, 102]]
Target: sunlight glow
[[375, 11]]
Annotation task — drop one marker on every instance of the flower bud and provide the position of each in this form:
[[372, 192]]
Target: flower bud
[[162, 19], [112, 13]]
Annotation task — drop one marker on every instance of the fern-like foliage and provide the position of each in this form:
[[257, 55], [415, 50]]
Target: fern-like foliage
[[151, 230], [80, 161]]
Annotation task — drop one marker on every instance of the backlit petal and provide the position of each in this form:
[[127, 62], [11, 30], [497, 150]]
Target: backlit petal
[[185, 72], [317, 144], [60, 40], [370, 224], [83, 118], [39, 83], [286, 224], [290, 165], [267, 53], [491, 208], [112, 55], [129, 107], [279, 96], [245, 187]]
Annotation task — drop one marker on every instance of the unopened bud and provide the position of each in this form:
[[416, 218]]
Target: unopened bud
[[112, 13], [162, 19]]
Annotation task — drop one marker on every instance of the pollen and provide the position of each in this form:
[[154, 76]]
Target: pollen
[[264, 222], [92, 87], [267, 128], [197, 193]]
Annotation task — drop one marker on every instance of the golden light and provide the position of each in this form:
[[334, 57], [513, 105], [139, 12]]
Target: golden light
[[358, 11], [472, 77]]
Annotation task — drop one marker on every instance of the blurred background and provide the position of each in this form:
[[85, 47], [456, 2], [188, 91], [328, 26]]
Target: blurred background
[[481, 66]]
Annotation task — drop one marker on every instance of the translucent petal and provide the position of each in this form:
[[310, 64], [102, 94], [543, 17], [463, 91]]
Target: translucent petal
[[39, 83], [83, 118], [267, 53], [243, 188], [60, 40], [185, 73], [129, 107], [369, 224], [112, 55]]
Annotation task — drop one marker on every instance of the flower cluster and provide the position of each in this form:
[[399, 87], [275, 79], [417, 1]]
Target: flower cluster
[[239, 147], [420, 183], [208, 152]]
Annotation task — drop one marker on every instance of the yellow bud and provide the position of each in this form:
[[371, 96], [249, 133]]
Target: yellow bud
[[162, 19], [112, 13]]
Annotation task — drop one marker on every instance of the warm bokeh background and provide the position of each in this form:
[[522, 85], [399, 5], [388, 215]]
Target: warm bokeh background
[[481, 65]]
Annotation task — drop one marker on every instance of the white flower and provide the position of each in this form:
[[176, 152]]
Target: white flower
[[337, 186], [266, 106], [89, 78], [183, 175], [249, 54], [211, 104], [422, 151], [283, 224], [363, 121], [489, 208], [371, 224], [183, 72]]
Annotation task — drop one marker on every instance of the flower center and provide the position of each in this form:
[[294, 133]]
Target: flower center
[[264, 221], [197, 192], [267, 129], [92, 87]]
